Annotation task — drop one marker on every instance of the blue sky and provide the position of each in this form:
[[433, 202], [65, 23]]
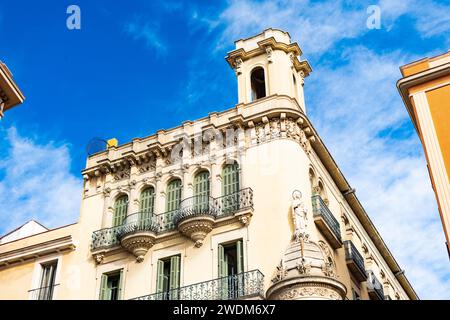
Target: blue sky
[[139, 66]]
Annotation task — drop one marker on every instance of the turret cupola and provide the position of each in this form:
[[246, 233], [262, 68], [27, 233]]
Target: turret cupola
[[269, 64]]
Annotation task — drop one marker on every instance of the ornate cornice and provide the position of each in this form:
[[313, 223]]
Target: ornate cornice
[[23, 254], [266, 46]]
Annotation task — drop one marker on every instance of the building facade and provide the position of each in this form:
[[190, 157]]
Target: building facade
[[425, 90], [242, 204], [10, 94]]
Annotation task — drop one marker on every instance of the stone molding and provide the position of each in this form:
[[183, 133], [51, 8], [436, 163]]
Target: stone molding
[[307, 287]]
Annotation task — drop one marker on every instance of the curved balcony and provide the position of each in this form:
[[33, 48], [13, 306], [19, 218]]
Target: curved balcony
[[196, 216], [137, 234]]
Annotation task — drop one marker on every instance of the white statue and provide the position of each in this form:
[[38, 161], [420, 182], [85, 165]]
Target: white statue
[[299, 215]]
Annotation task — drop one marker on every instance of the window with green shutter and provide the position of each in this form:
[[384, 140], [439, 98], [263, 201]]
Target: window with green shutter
[[168, 277], [230, 269], [230, 187], [111, 285], [120, 210], [201, 190], [230, 179], [173, 195], [146, 204]]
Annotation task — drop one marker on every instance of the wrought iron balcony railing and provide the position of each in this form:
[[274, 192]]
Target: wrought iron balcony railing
[[229, 204], [374, 287], [355, 261], [42, 293], [196, 206], [141, 221], [239, 286], [165, 222], [326, 222]]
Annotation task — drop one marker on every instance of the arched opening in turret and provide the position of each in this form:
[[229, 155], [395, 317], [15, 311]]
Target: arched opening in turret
[[258, 83]]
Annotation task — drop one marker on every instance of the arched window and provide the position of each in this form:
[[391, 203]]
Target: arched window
[[230, 188], [120, 210], [173, 195], [146, 203], [230, 179], [258, 83], [313, 182], [201, 189], [317, 187]]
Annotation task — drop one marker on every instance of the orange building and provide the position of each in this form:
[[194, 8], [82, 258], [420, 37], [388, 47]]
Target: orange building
[[425, 89]]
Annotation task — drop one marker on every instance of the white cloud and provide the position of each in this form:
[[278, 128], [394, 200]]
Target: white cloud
[[36, 183], [430, 18], [148, 32], [318, 25]]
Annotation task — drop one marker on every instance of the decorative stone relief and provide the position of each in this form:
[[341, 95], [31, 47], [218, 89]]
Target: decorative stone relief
[[299, 293], [244, 219], [275, 128], [145, 167], [238, 66], [280, 273], [99, 258], [122, 174], [292, 58], [303, 266], [329, 266], [269, 52], [107, 192]]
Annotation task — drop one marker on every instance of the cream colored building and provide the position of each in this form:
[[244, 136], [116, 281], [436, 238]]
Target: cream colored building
[[242, 204]]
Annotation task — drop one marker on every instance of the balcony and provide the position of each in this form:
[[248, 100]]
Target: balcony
[[355, 262], [238, 205], [246, 285], [137, 234], [196, 217], [326, 222], [374, 287], [43, 293]]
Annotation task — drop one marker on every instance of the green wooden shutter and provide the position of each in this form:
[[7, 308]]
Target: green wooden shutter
[[240, 256], [201, 189], [104, 292], [223, 273], [173, 195], [146, 204], [230, 179], [174, 272], [120, 289], [160, 276], [223, 265], [120, 210], [230, 187]]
